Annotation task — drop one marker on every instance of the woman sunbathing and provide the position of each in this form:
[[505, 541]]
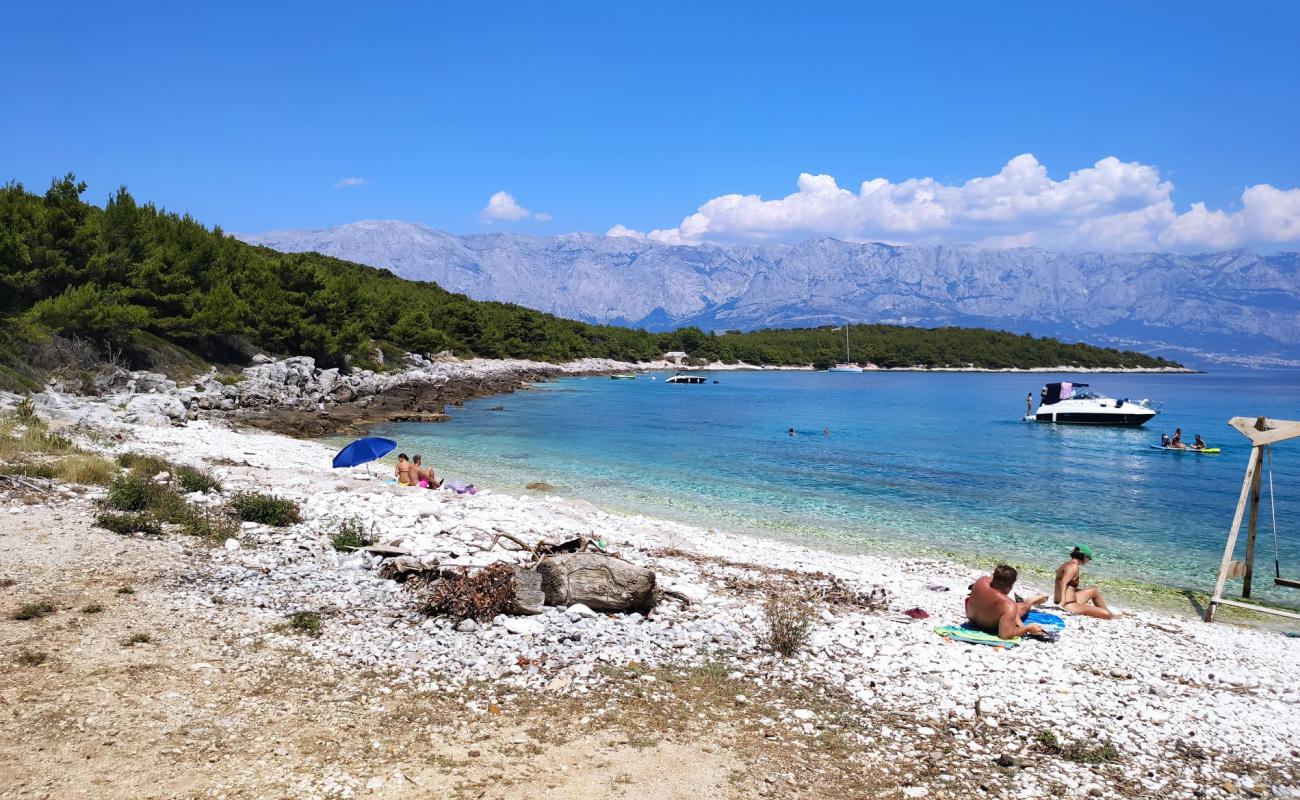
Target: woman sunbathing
[[403, 471], [1070, 597]]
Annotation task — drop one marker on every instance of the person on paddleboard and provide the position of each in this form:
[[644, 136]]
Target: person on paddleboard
[[1177, 441], [1164, 440], [1070, 597], [1199, 444]]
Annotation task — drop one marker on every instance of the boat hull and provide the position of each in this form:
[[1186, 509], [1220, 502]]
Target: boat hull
[[1123, 420]]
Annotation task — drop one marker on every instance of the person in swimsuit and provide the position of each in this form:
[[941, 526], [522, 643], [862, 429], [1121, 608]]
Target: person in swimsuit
[[1199, 443], [991, 609], [1070, 597], [424, 477], [1164, 440], [1177, 441], [403, 470]]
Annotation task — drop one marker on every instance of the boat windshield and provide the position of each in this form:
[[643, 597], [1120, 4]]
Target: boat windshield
[[1087, 394]]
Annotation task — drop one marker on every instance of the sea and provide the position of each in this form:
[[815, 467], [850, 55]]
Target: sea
[[915, 464]]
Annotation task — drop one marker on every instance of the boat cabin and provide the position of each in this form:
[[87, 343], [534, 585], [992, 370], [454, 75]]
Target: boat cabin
[[1056, 392], [686, 379]]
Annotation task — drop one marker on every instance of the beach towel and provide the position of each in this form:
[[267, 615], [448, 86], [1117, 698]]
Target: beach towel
[[1049, 621], [972, 636]]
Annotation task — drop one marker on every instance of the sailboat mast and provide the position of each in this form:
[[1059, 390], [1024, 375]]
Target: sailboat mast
[[846, 341]]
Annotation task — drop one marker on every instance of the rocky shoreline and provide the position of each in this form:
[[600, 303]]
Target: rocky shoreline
[[295, 397]]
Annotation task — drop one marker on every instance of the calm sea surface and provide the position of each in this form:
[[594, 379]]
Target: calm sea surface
[[914, 463]]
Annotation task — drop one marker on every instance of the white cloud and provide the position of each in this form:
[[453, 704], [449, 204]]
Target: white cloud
[[622, 230], [346, 182], [502, 207], [1112, 205]]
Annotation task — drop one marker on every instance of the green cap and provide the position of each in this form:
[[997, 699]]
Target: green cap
[[1084, 549]]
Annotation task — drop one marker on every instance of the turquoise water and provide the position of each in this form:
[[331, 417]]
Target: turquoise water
[[915, 463]]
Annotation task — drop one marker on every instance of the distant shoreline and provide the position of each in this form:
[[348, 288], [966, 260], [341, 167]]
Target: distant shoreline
[[720, 367]]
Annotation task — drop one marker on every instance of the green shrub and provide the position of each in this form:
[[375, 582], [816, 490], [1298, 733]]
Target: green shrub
[[265, 509], [306, 622], [206, 523], [351, 534], [194, 480], [132, 492], [26, 408], [127, 524]]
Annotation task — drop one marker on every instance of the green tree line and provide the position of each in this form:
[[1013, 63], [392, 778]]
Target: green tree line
[[128, 270]]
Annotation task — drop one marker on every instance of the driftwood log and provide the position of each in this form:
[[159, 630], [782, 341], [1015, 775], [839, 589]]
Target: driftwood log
[[598, 581], [529, 597]]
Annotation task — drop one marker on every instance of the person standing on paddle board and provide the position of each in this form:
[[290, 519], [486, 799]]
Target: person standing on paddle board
[[991, 609], [1070, 597]]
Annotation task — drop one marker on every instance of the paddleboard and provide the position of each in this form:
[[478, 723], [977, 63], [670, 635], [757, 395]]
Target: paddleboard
[[1210, 450]]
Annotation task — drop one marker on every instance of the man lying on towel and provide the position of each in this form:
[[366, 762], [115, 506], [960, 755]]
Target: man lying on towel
[[991, 609]]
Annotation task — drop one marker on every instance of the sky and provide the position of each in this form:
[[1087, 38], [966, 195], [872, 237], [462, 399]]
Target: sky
[[1088, 126]]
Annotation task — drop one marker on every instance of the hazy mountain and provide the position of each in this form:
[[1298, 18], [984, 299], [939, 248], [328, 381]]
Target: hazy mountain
[[1235, 306]]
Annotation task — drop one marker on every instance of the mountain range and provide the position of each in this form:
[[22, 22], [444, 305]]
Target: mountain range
[[1237, 307]]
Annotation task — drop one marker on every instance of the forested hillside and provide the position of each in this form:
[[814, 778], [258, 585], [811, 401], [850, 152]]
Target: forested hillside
[[128, 275]]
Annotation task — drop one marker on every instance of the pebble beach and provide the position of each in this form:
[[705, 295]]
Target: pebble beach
[[1190, 709]]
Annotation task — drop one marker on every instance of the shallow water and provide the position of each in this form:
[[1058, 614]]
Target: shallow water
[[914, 463]]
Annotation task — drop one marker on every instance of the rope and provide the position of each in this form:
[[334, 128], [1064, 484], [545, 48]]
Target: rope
[[1272, 507]]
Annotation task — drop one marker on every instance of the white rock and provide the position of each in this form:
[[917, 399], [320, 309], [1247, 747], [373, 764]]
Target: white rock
[[232, 545], [523, 626]]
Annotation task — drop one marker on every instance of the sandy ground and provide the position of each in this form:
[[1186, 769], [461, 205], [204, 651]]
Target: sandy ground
[[177, 717]]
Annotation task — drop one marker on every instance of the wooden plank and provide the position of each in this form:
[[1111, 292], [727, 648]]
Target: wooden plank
[[1226, 563], [1251, 525], [1277, 612], [1275, 430]]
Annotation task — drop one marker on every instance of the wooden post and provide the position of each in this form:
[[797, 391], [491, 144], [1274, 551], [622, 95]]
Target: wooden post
[[1254, 518], [1226, 563]]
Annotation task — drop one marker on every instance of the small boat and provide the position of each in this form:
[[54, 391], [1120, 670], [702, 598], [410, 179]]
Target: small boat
[[845, 365], [686, 379], [622, 376], [1076, 404], [1201, 450]]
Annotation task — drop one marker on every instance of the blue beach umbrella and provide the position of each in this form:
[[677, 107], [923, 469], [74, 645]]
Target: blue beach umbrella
[[363, 451]]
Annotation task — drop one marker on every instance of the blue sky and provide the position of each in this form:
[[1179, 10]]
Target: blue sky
[[250, 115]]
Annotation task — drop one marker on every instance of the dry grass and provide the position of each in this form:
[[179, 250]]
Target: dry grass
[[788, 624], [34, 439], [89, 470]]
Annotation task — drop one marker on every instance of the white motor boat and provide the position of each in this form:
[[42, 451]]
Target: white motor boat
[[1076, 404], [686, 379]]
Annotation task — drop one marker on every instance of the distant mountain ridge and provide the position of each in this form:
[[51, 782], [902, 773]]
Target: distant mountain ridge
[[1233, 306]]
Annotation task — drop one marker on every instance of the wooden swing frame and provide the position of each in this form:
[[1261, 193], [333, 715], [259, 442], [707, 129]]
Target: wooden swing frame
[[1263, 434]]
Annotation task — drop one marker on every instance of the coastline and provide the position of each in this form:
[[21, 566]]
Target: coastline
[[1170, 669]]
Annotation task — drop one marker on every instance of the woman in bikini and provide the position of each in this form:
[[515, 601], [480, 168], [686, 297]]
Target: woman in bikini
[[1070, 597], [403, 471]]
